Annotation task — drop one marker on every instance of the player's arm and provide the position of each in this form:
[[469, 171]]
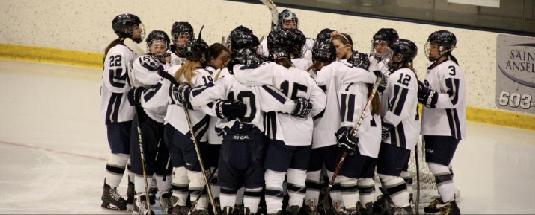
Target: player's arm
[[145, 71], [357, 75], [318, 99], [157, 95], [262, 75], [115, 74], [202, 95], [448, 96]]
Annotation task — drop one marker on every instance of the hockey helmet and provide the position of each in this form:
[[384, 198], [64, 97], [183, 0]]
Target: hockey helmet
[[123, 25], [242, 37], [323, 51], [360, 60]]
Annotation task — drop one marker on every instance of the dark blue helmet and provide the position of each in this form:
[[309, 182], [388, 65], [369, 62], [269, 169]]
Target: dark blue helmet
[[158, 35], [123, 24], [324, 35], [443, 38], [196, 50], [242, 37], [285, 43], [182, 28], [388, 35], [406, 48], [287, 15], [360, 60], [324, 51]]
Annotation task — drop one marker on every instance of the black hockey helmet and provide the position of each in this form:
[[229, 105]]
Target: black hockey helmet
[[182, 28], [324, 51], [360, 60], [242, 37], [123, 24], [324, 35], [158, 35], [404, 51], [196, 50], [287, 15], [445, 39], [285, 43], [388, 35], [247, 57]]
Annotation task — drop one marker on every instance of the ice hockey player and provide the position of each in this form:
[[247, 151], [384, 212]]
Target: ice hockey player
[[182, 32], [116, 110], [188, 179], [330, 76], [444, 115], [288, 149], [289, 20], [401, 126], [150, 122], [217, 60], [356, 174]]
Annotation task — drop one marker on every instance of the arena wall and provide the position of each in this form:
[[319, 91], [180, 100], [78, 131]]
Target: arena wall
[[76, 32]]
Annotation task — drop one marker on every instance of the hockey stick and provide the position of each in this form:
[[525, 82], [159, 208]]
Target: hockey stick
[[417, 203], [274, 13], [198, 151], [354, 131], [194, 205], [140, 143]]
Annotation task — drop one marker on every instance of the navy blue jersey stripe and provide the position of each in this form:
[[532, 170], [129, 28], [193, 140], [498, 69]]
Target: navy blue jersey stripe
[[274, 93], [401, 101], [451, 122], [457, 124], [401, 132], [394, 97]]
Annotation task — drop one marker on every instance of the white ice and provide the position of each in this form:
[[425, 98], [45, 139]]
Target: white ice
[[53, 148]]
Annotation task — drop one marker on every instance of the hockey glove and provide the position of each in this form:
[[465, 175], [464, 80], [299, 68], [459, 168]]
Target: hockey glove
[[382, 84], [164, 74], [134, 96], [427, 96], [386, 130], [230, 109], [347, 139], [302, 107], [181, 94]]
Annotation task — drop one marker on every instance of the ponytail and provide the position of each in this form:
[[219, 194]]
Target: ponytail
[[111, 45], [187, 70]]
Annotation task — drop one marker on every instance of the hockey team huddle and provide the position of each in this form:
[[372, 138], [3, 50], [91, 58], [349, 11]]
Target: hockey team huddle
[[282, 125]]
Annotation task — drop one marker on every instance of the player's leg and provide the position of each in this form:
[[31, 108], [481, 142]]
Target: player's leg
[[254, 175], [366, 185], [349, 174], [296, 177], [179, 179], [119, 142], [163, 174], [197, 183], [149, 142], [331, 161], [313, 180], [277, 161], [439, 151], [390, 164], [229, 178]]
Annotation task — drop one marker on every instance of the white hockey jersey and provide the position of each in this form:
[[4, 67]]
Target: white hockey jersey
[[258, 99], [448, 116], [144, 75], [176, 60], [293, 82], [114, 105], [379, 65], [331, 78], [400, 108], [174, 114], [352, 99], [213, 136]]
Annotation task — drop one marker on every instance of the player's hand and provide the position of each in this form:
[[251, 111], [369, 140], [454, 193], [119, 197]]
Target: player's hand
[[302, 107], [164, 74], [230, 109], [427, 96], [347, 139], [386, 130], [181, 93]]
